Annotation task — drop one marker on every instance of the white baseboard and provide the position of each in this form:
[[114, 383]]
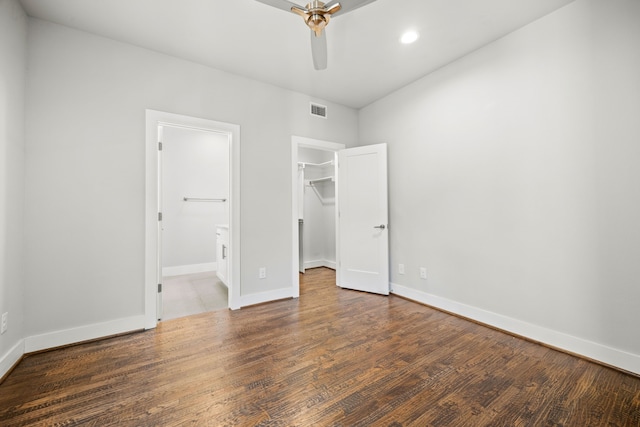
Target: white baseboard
[[320, 263], [179, 270], [68, 336], [9, 359], [83, 333], [259, 298], [330, 264], [592, 350]]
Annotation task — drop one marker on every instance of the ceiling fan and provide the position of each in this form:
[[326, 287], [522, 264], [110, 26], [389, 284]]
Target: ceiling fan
[[316, 15]]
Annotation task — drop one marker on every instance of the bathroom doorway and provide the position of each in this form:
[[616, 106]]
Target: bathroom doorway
[[195, 203]]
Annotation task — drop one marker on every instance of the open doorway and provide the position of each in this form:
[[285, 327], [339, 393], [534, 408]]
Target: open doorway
[[314, 212], [157, 123], [194, 177], [317, 213]]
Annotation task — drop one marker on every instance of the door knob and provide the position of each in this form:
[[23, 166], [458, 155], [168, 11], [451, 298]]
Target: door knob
[[381, 226]]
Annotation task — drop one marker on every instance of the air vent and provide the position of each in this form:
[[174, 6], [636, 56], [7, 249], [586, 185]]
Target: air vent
[[318, 110]]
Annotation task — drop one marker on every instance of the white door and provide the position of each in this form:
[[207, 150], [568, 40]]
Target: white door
[[363, 246]]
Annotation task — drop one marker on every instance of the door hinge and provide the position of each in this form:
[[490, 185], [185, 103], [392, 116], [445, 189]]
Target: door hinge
[[159, 216], [159, 287], [160, 146]]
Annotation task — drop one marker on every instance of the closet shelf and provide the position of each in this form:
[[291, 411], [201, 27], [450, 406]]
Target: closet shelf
[[305, 164], [323, 179]]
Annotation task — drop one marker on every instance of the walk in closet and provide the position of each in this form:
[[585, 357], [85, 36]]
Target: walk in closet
[[316, 208]]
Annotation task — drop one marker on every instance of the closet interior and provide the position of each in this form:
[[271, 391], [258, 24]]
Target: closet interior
[[316, 208]]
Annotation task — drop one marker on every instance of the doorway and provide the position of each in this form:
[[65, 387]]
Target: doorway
[[317, 201], [194, 194], [156, 124], [313, 174], [361, 215]]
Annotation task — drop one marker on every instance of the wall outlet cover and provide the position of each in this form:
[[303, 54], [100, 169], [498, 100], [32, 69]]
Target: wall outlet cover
[[400, 268], [423, 273]]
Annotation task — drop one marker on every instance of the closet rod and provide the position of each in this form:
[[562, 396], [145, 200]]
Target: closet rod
[[196, 199]]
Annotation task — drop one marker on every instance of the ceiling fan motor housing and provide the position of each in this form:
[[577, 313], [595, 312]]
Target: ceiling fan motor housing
[[316, 15], [317, 22]]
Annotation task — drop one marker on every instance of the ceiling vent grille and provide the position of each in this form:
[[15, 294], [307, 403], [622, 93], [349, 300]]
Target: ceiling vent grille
[[319, 110]]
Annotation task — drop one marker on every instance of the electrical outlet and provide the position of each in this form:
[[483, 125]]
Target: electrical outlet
[[400, 268], [423, 273], [262, 272], [5, 323]]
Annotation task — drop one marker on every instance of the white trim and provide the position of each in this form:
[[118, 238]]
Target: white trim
[[11, 357], [153, 120], [320, 263], [179, 270], [259, 298], [83, 333], [330, 264], [296, 142], [314, 264], [610, 356]]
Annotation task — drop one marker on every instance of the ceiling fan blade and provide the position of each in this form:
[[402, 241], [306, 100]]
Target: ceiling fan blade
[[319, 50], [281, 4], [347, 5]]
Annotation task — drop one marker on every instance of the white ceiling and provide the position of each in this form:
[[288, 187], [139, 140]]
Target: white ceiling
[[245, 37]]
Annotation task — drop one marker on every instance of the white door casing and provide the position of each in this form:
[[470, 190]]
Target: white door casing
[[152, 250], [301, 268], [361, 194], [159, 306]]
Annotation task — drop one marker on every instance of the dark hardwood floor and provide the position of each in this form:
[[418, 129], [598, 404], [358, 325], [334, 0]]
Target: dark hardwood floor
[[333, 357]]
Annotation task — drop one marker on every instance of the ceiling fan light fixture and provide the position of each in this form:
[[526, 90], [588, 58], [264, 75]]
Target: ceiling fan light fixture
[[409, 37]]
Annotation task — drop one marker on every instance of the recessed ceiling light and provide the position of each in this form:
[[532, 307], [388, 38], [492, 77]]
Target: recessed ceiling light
[[409, 37]]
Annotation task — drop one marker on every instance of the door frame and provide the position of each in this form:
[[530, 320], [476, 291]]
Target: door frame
[[154, 119], [316, 144]]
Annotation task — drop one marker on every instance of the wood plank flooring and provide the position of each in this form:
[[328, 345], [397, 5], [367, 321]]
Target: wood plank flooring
[[331, 358]]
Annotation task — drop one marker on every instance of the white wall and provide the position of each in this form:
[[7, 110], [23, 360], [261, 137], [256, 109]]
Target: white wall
[[514, 180], [195, 164], [85, 184], [13, 48]]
